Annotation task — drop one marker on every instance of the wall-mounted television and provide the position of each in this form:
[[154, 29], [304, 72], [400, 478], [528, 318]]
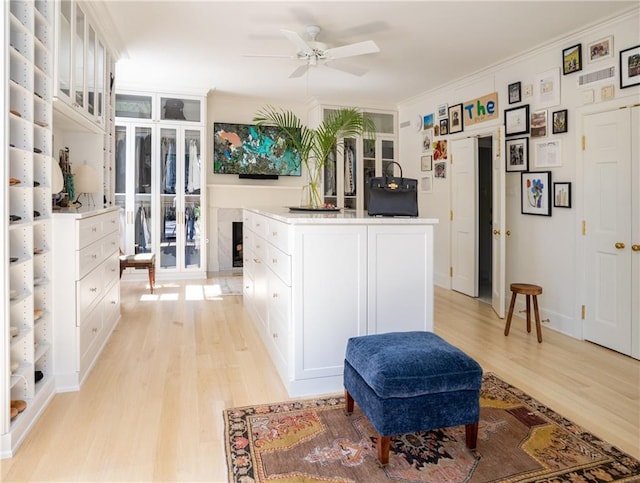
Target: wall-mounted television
[[252, 152]]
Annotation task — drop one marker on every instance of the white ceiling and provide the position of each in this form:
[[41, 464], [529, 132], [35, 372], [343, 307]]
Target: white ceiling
[[202, 45]]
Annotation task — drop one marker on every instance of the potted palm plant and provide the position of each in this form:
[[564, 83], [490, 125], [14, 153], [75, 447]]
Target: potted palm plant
[[315, 145]]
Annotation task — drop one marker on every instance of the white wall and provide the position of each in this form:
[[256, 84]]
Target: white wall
[[228, 191], [541, 250]]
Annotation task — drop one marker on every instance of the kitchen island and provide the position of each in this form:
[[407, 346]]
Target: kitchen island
[[314, 279]]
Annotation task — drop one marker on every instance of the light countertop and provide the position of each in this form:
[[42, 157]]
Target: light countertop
[[342, 217]]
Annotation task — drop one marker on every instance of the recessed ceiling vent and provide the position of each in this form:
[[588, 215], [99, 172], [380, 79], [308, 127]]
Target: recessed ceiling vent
[[597, 76]]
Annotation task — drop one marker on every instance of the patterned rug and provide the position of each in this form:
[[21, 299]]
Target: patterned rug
[[519, 440]]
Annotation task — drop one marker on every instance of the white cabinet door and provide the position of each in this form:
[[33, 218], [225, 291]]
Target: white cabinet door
[[329, 296], [400, 272]]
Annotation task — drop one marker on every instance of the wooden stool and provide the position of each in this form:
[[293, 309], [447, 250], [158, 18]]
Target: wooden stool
[[528, 290], [140, 260]]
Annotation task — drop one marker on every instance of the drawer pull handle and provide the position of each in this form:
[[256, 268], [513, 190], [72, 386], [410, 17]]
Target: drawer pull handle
[[94, 330], [256, 260], [275, 233], [113, 302], [93, 289], [94, 229], [275, 295], [274, 260], [94, 256], [275, 335]]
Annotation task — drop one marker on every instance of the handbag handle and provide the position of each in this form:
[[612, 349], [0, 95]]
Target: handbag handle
[[396, 163]]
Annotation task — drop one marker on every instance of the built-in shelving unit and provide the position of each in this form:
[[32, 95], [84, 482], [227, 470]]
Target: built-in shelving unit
[[27, 322]]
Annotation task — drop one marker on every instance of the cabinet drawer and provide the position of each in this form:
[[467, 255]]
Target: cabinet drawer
[[280, 263], [89, 230], [259, 248], [89, 258], [89, 290], [111, 269], [279, 296], [110, 244], [90, 330], [279, 334], [258, 224], [110, 222], [278, 235], [111, 306]]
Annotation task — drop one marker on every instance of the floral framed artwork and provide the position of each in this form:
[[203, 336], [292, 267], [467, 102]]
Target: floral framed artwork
[[536, 193], [572, 59], [444, 127], [630, 67], [440, 150], [539, 124], [562, 195], [514, 93], [426, 162], [517, 154], [600, 49], [516, 120], [559, 122], [455, 119], [548, 154]]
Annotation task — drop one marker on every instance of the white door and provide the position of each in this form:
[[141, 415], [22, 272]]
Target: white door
[[498, 243], [608, 216], [464, 226]]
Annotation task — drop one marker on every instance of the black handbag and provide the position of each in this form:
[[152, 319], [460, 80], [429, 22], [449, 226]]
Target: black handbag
[[393, 196]]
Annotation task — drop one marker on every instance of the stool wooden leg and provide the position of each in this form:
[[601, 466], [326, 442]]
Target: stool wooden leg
[[528, 313], [537, 314], [471, 432], [348, 402], [152, 277], [511, 305], [382, 447]]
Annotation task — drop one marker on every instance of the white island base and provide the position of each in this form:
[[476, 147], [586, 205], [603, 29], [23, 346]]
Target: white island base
[[313, 280]]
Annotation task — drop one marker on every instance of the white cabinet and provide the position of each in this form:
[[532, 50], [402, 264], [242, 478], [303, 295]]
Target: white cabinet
[[312, 282], [87, 290], [80, 87], [159, 173], [346, 174], [26, 323]]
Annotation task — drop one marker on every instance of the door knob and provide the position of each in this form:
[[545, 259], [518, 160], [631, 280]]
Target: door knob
[[496, 232], [619, 245], [508, 232], [635, 248]]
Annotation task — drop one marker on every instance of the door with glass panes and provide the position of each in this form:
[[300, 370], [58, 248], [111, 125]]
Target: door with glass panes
[[180, 218], [158, 186]]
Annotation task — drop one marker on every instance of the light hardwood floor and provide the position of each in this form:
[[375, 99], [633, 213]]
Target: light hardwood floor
[[151, 410]]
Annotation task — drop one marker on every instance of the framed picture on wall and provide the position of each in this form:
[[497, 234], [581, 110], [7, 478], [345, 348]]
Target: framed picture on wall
[[562, 195], [600, 49], [514, 93], [455, 119], [517, 154], [572, 59], [516, 120], [630, 67], [444, 127], [426, 162], [536, 193], [559, 122], [539, 124]]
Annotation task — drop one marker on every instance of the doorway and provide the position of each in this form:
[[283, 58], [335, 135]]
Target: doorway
[[485, 218]]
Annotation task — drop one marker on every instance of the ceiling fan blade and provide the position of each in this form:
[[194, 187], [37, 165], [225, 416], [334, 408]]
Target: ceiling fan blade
[[349, 68], [298, 41], [277, 56], [351, 50], [299, 72]]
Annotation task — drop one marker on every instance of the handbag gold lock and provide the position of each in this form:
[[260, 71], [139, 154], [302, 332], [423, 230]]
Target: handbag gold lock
[[393, 185]]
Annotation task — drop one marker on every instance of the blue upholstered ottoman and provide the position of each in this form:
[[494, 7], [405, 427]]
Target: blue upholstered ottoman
[[412, 381]]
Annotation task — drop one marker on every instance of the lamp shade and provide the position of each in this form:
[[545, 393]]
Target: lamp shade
[[57, 180], [86, 179]]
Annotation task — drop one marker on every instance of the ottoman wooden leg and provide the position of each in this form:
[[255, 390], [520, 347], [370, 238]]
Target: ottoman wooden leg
[[348, 402], [471, 432], [382, 448]]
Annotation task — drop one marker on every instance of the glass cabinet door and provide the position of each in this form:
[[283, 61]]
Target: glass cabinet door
[[192, 206], [78, 66], [350, 154], [100, 80], [179, 109], [169, 208], [121, 183], [64, 48], [368, 166], [91, 70]]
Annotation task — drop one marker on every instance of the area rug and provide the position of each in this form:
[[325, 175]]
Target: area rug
[[231, 285], [519, 440]]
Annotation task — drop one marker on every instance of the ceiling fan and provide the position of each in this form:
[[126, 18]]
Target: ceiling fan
[[313, 52]]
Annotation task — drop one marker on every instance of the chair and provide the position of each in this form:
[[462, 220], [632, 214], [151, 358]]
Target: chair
[[530, 291], [140, 260]]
